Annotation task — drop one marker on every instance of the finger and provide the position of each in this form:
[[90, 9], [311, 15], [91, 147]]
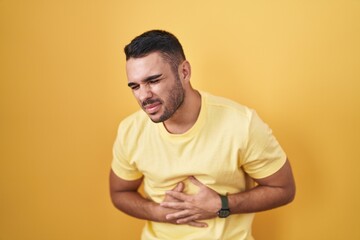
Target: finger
[[196, 182], [183, 215], [179, 187], [187, 219], [174, 205], [178, 195], [198, 224]]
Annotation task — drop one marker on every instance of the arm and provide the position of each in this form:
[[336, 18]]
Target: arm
[[271, 192], [125, 197]]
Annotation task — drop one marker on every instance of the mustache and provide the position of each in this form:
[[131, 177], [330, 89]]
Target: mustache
[[150, 101]]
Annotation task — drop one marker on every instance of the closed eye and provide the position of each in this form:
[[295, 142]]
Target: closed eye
[[154, 81], [133, 86]]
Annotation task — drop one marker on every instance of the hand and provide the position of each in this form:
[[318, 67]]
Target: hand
[[178, 188], [168, 198], [200, 206]]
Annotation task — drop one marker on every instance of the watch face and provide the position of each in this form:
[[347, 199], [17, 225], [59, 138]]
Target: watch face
[[223, 213]]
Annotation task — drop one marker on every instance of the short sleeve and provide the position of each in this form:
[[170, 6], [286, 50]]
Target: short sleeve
[[121, 164], [263, 155]]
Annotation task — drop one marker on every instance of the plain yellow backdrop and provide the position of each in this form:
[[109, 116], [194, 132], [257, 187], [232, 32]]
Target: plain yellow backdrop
[[63, 93]]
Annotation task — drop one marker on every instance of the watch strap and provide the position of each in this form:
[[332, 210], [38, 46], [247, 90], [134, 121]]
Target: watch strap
[[224, 211], [224, 202]]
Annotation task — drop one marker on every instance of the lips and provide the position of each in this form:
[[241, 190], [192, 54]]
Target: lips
[[152, 108]]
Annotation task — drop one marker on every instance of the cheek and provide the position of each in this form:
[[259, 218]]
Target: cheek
[[135, 94], [161, 91]]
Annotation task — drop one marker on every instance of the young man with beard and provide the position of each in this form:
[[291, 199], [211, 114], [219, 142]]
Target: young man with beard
[[194, 152]]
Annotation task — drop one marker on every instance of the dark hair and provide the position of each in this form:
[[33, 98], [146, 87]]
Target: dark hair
[[156, 41]]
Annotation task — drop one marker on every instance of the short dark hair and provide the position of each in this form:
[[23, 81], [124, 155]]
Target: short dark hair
[[156, 41]]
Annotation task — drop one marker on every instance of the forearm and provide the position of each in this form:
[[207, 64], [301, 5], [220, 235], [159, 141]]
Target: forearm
[[273, 191], [126, 198], [133, 204], [139, 207], [260, 198]]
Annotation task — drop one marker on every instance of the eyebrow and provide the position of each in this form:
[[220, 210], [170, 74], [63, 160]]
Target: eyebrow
[[152, 77]]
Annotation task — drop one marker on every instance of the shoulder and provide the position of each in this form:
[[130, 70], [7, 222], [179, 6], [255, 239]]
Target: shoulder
[[222, 105], [134, 118], [133, 123]]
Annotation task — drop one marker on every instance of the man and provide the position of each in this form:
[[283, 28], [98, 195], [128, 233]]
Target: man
[[194, 152]]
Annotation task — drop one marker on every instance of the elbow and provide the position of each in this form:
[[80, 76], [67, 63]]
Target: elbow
[[114, 199], [290, 194], [117, 198]]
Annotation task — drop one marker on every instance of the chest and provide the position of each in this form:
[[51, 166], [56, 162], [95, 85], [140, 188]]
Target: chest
[[210, 156]]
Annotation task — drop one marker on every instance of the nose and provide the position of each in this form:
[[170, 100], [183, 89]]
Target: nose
[[144, 93]]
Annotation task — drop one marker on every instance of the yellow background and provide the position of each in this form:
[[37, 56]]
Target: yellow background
[[63, 93]]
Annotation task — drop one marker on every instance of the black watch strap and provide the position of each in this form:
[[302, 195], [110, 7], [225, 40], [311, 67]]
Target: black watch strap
[[224, 211], [224, 202]]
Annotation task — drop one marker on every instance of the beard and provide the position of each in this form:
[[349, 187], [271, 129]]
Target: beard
[[172, 103], [175, 100]]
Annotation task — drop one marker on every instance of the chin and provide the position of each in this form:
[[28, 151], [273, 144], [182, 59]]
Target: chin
[[159, 119], [155, 119]]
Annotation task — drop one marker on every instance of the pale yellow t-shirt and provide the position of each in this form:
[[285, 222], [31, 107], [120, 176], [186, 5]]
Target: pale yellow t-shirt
[[227, 142]]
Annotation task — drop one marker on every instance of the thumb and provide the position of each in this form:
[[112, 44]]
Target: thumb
[[179, 187]]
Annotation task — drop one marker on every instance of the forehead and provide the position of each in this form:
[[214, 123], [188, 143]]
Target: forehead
[[138, 69]]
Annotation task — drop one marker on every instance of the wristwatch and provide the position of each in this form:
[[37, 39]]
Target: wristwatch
[[224, 211]]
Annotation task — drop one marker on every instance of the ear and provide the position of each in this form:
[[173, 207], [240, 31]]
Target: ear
[[185, 71]]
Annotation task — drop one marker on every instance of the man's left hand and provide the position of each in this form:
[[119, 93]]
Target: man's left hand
[[201, 206]]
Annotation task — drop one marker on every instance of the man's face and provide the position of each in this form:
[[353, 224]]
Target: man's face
[[156, 87]]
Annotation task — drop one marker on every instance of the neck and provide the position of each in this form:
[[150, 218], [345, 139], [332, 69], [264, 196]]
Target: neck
[[185, 117]]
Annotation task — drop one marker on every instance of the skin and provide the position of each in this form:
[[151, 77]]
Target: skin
[[168, 97], [165, 96], [271, 192]]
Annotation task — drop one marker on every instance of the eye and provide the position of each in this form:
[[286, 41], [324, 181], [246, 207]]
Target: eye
[[154, 81], [134, 87]]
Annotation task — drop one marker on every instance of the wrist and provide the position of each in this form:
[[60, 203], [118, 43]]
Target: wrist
[[159, 213], [224, 211]]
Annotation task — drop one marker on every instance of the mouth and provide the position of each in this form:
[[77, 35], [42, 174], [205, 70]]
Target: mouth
[[152, 108]]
